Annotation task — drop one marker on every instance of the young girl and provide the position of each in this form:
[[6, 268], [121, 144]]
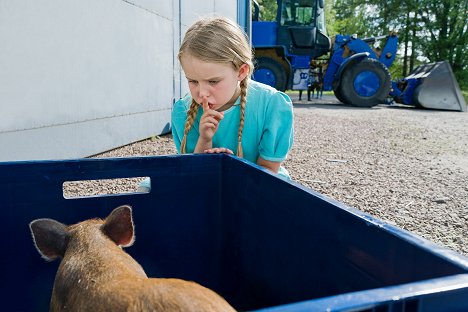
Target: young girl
[[226, 112]]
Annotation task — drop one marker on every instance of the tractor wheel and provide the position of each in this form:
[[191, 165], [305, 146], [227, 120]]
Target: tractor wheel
[[338, 95], [270, 72], [365, 84]]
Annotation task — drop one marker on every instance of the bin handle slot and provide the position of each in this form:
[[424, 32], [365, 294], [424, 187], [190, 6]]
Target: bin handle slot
[[106, 187]]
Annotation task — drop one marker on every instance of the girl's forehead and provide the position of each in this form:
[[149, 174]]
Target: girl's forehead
[[196, 68]]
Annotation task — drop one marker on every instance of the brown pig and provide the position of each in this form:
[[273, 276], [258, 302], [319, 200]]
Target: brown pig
[[95, 274]]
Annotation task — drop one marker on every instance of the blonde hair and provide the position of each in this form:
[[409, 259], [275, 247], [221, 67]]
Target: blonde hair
[[218, 40]]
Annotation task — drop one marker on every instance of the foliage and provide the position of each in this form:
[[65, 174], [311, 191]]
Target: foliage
[[330, 18], [445, 34], [268, 10]]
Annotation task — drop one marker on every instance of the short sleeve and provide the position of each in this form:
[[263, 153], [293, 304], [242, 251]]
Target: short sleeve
[[278, 130]]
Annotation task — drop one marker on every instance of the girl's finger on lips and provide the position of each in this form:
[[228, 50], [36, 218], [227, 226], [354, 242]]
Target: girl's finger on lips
[[205, 104]]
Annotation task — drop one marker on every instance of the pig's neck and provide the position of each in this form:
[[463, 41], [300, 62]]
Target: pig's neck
[[98, 260]]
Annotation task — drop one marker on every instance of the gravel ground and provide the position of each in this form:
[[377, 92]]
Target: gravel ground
[[406, 166]]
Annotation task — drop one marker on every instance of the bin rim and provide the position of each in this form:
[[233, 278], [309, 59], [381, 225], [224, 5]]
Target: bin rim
[[369, 299]]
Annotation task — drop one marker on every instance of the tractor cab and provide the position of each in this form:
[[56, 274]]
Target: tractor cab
[[286, 45], [301, 27]]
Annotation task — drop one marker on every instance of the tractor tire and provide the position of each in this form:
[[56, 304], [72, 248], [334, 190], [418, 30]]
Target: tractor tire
[[338, 95], [270, 72], [365, 84]]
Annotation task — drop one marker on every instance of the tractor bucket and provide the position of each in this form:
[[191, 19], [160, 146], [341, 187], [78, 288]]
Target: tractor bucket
[[437, 87]]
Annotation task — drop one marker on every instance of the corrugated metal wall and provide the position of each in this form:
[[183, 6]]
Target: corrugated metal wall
[[81, 77]]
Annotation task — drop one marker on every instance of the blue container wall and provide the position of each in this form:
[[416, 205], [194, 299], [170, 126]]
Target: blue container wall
[[258, 240], [177, 224], [294, 245]]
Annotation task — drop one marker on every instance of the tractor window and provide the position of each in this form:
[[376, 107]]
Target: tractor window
[[297, 13], [304, 16], [286, 14]]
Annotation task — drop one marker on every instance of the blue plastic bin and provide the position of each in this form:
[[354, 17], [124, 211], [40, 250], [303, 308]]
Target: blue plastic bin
[[258, 240]]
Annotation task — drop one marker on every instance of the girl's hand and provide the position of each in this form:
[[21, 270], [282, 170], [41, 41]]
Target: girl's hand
[[218, 150], [209, 121]]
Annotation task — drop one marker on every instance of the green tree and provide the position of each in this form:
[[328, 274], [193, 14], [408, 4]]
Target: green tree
[[330, 18], [268, 10], [444, 34], [351, 18], [400, 16]]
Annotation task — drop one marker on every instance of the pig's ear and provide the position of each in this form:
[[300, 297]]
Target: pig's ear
[[50, 238], [119, 226]]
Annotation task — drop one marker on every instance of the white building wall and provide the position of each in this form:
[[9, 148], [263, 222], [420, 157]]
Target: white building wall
[[79, 77]]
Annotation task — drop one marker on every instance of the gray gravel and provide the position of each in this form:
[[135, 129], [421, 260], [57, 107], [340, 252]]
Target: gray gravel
[[406, 166]]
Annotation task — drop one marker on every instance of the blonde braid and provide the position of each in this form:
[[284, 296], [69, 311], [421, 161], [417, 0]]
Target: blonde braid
[[191, 114], [243, 102]]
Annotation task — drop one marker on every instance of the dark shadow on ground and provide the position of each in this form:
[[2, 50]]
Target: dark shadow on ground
[[326, 102], [331, 102]]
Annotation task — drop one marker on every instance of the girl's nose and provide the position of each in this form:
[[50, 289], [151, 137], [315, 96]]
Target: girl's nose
[[203, 91]]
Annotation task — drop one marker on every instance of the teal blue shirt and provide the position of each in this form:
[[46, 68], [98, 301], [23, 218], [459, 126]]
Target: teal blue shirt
[[268, 127]]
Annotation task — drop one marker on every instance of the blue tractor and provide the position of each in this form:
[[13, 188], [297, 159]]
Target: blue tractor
[[356, 72]]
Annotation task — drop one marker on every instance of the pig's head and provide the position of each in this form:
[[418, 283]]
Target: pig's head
[[52, 237]]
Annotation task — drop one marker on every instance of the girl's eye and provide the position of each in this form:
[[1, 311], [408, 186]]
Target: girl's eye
[[213, 82], [193, 82]]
